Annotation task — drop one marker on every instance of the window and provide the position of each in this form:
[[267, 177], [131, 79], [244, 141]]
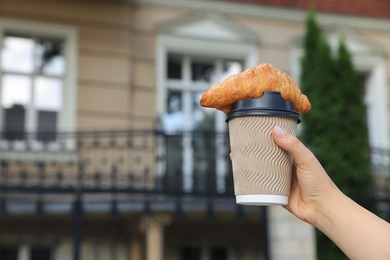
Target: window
[[187, 78], [218, 253], [40, 253], [32, 85], [8, 252], [36, 252], [191, 253], [209, 253], [37, 82]]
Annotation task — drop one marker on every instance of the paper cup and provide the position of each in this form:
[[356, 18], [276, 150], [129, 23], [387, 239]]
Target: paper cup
[[261, 169]]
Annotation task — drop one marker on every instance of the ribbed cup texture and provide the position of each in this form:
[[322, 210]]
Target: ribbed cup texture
[[259, 165]]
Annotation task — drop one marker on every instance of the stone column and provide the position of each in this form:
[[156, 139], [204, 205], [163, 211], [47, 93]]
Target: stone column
[[289, 237], [154, 237]]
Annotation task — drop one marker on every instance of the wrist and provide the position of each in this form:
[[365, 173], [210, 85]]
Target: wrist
[[328, 208]]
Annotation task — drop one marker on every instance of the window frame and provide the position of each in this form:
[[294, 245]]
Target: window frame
[[67, 115]]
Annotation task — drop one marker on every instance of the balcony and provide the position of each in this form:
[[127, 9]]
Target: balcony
[[150, 165], [146, 166]]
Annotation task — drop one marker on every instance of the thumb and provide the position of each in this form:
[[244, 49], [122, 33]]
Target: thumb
[[301, 154]]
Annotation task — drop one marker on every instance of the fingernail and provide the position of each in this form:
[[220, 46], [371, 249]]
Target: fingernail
[[279, 132]]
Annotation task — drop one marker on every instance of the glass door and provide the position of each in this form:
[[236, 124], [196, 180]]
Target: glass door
[[196, 145]]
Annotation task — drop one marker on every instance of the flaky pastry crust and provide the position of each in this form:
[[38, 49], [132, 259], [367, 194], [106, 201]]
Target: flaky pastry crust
[[252, 83]]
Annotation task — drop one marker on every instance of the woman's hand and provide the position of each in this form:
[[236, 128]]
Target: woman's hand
[[311, 186], [315, 199]]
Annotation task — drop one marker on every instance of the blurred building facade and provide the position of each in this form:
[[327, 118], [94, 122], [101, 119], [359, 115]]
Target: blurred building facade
[[105, 152]]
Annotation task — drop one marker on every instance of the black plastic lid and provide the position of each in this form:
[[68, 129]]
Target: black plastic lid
[[270, 104]]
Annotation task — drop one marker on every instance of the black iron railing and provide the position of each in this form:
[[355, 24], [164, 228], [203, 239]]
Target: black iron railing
[[195, 163], [122, 161]]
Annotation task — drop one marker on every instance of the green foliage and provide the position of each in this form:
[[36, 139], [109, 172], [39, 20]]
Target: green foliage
[[336, 128], [353, 151]]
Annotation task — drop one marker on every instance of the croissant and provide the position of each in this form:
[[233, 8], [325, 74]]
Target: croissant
[[251, 83]]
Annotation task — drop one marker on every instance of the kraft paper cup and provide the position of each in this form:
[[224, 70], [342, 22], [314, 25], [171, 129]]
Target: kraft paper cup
[[261, 169]]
